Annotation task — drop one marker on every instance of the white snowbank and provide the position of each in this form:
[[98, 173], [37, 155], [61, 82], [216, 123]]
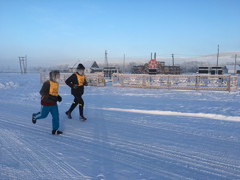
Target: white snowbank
[[9, 85], [172, 113]]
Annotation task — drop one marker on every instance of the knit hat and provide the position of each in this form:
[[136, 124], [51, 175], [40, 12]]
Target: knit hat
[[53, 75], [80, 66]]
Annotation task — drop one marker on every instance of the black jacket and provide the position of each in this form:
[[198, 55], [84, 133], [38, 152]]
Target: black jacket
[[46, 98], [72, 82]]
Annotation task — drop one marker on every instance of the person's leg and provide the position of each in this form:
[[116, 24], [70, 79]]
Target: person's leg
[[55, 117], [35, 114], [74, 104], [44, 112], [40, 115], [55, 120], [81, 105]]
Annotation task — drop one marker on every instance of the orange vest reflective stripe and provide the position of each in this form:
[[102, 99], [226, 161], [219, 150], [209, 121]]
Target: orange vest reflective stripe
[[53, 90], [81, 79]]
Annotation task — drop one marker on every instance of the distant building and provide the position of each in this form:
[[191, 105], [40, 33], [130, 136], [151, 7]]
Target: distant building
[[156, 67], [140, 69], [210, 70], [95, 68], [90, 67], [108, 71], [231, 69], [172, 69]]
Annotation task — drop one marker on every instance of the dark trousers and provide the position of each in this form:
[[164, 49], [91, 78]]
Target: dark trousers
[[77, 101]]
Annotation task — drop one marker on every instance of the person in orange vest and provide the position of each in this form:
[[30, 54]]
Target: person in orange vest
[[76, 82], [50, 96]]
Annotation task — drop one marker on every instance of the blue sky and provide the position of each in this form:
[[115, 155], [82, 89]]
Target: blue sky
[[58, 31]]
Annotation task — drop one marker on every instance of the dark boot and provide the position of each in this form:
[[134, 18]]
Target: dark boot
[[33, 119], [81, 113], [82, 118], [56, 132], [68, 115]]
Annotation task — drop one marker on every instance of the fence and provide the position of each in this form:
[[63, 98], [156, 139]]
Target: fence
[[194, 82], [96, 79]]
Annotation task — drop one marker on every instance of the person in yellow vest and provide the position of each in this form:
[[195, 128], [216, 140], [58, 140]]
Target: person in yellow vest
[[76, 82], [50, 96]]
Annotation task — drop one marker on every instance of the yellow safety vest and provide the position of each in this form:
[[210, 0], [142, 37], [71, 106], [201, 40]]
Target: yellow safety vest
[[81, 79], [53, 90]]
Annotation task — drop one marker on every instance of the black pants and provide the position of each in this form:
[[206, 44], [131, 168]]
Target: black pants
[[77, 101]]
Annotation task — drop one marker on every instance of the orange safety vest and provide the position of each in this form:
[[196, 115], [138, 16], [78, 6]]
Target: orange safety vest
[[53, 90], [81, 79]]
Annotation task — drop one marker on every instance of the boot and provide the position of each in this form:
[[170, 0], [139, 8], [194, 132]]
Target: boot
[[68, 115], [56, 132], [33, 119], [82, 118]]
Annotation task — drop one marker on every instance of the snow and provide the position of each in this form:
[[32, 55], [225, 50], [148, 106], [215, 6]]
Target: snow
[[130, 134]]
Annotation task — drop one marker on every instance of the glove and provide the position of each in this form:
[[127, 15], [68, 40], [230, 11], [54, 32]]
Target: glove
[[59, 98], [53, 98]]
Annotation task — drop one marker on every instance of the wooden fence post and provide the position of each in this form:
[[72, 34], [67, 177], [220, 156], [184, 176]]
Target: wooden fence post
[[196, 85], [229, 83], [121, 79]]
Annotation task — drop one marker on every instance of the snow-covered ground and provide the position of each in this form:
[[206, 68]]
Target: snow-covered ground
[[130, 134]]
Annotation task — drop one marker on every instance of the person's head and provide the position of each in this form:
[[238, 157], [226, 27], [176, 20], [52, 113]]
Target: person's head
[[54, 76], [80, 69]]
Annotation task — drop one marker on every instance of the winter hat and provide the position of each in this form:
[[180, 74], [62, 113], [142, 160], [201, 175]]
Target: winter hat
[[80, 66], [53, 75]]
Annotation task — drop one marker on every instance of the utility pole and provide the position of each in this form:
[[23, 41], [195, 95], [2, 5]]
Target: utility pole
[[124, 64], [173, 59], [106, 60], [25, 67], [235, 66], [20, 63], [217, 55], [23, 64]]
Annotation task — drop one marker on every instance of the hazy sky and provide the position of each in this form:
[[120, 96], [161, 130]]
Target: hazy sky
[[58, 31]]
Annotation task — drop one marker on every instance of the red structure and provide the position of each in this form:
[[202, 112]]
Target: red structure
[[153, 64]]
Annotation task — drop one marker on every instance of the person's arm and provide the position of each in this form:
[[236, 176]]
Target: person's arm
[[85, 81], [69, 81], [45, 89]]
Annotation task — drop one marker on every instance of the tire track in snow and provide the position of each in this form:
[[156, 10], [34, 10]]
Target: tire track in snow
[[42, 162], [192, 157], [27, 162], [92, 145], [92, 153], [155, 154], [172, 155], [155, 151]]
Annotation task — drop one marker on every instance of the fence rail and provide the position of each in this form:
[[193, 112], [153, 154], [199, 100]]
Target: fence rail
[[92, 79], [194, 82]]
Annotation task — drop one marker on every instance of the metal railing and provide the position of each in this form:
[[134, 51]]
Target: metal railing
[[194, 82]]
